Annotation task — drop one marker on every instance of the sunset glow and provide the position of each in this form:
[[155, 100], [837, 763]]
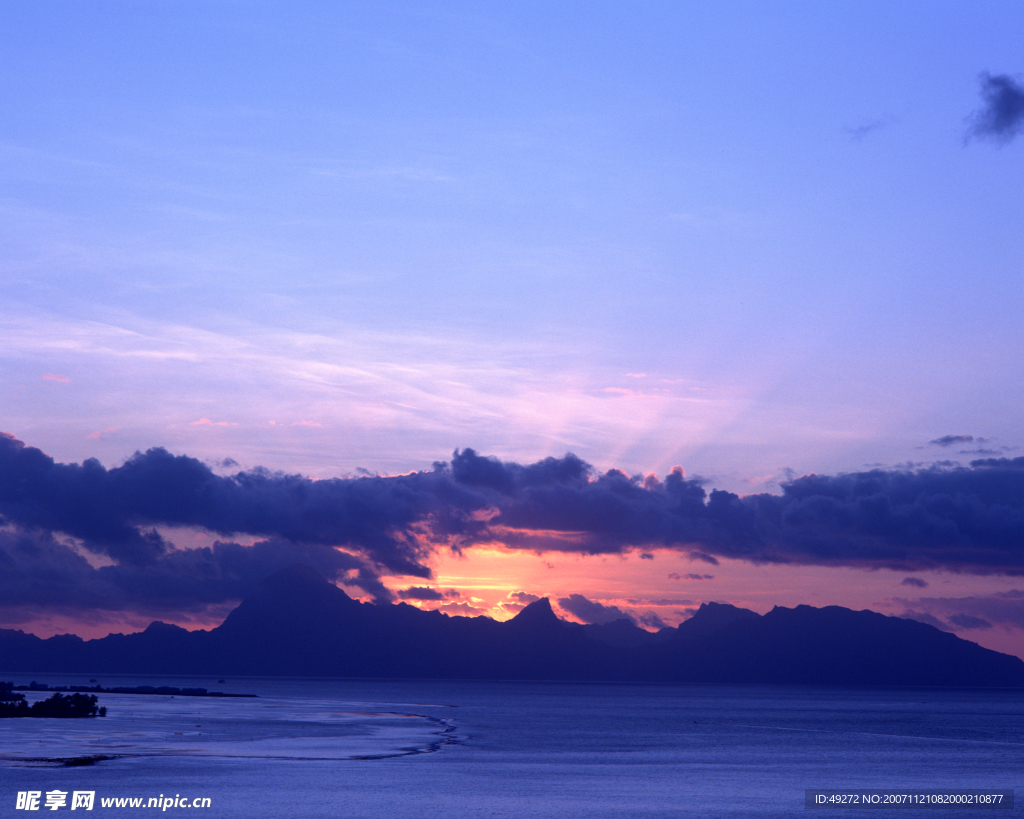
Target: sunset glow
[[647, 306]]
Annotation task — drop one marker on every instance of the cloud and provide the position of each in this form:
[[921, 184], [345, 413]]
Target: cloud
[[969, 621], [661, 601], [858, 132], [517, 601], [461, 610], [55, 377], [202, 422], [592, 612], [690, 576], [1001, 608], [925, 617], [98, 434], [953, 518], [113, 511], [1002, 116], [42, 572], [1000, 463], [949, 440], [914, 581], [651, 620], [420, 593]]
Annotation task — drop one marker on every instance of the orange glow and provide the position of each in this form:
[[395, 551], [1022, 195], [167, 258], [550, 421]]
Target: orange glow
[[673, 585]]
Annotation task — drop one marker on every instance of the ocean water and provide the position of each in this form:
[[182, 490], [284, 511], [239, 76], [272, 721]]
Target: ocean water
[[368, 749]]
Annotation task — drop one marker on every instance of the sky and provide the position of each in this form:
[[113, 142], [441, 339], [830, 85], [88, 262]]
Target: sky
[[635, 306]]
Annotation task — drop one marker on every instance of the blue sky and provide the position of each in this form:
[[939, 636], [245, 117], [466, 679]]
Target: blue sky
[[754, 241]]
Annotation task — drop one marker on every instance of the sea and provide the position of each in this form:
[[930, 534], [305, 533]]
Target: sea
[[386, 749]]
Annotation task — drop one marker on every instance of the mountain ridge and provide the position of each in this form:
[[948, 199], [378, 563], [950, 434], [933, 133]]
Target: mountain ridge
[[299, 624]]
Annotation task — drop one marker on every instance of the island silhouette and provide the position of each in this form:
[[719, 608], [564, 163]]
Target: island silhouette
[[301, 625]]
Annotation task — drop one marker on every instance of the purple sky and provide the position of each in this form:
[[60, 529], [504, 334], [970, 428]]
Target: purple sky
[[347, 242]]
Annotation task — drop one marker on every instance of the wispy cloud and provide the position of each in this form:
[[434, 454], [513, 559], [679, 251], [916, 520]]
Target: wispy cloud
[[950, 440], [430, 390], [863, 129], [976, 612], [99, 434]]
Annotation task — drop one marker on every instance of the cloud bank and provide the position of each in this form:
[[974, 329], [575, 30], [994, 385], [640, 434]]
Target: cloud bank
[[92, 532]]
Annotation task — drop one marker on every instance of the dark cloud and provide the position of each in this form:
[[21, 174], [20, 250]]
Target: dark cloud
[[690, 576], [1002, 116], [113, 511], [953, 518], [914, 581], [427, 593], [651, 620], [925, 617], [646, 556], [999, 463], [950, 440], [969, 621], [41, 572], [420, 593], [590, 611]]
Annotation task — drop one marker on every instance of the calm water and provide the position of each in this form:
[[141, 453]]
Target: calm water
[[310, 748]]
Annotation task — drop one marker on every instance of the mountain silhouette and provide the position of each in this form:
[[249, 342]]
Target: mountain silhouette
[[298, 624]]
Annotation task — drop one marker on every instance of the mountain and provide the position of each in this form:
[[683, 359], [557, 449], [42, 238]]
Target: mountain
[[301, 625]]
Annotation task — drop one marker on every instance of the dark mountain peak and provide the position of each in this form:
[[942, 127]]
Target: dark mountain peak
[[803, 612], [298, 597], [160, 627], [66, 640], [712, 616], [804, 608], [538, 614]]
